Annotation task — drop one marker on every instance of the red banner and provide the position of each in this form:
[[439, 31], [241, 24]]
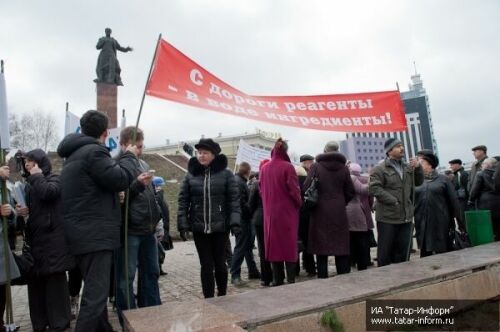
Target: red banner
[[177, 78]]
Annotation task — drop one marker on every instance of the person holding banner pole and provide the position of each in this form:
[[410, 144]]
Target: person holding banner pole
[[8, 271], [393, 183], [91, 180]]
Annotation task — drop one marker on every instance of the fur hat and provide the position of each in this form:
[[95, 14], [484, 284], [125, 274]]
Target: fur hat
[[208, 144], [431, 159]]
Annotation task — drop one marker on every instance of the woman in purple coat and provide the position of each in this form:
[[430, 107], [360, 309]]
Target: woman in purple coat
[[328, 226], [281, 200], [360, 219]]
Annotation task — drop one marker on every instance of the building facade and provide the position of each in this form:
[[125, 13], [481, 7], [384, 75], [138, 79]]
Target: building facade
[[364, 148], [229, 144]]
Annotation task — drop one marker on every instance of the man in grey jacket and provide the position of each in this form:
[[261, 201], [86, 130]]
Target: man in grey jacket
[[480, 154], [393, 182]]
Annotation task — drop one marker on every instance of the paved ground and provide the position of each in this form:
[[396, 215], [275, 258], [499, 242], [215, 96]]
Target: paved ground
[[181, 284]]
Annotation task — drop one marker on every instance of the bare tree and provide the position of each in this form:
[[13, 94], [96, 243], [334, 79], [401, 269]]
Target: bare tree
[[32, 131]]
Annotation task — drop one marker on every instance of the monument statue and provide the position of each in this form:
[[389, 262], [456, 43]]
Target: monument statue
[[108, 68]]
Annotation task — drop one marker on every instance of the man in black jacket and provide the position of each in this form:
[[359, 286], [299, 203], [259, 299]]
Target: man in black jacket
[[90, 182], [142, 246], [460, 181], [246, 239]]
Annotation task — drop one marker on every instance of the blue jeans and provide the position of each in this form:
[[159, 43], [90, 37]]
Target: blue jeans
[[143, 256], [243, 250]]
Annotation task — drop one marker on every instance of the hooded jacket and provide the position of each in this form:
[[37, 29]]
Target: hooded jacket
[[329, 226], [90, 182], [45, 229], [281, 201], [208, 199]]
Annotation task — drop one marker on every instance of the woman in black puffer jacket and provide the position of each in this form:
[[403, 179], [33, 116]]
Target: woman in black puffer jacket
[[209, 207], [48, 293]]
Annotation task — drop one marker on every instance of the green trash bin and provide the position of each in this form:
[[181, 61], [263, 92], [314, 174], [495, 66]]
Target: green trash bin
[[479, 227]]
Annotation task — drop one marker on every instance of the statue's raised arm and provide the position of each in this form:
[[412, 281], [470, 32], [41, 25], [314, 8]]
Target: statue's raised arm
[[108, 68]]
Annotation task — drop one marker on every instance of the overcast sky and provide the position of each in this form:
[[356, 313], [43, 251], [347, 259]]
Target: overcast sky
[[264, 47]]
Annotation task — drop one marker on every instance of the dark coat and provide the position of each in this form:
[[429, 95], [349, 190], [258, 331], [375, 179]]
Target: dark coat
[[329, 227], [484, 195], [246, 216], [474, 169], [144, 211], [255, 204], [208, 200], [45, 229], [165, 211], [393, 193], [90, 182], [460, 181], [280, 192], [356, 209], [497, 179], [436, 205]]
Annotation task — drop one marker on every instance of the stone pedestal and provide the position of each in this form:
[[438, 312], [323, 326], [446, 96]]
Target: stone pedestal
[[107, 102]]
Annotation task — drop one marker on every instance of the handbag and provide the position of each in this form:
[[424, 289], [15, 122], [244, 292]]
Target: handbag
[[24, 262], [458, 240], [311, 196]]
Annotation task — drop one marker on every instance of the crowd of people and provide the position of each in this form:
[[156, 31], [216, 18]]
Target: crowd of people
[[104, 221]]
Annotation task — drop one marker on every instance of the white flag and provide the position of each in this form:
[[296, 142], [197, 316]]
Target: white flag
[[4, 116], [112, 142], [72, 123], [251, 155]]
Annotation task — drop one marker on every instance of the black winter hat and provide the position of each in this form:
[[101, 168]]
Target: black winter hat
[[424, 152], [391, 143], [305, 157], [208, 144], [455, 161], [431, 159]]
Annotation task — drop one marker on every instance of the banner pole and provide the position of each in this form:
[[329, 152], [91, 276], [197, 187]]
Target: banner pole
[[127, 196], [8, 291]]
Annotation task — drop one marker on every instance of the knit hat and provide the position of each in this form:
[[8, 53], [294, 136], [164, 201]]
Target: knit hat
[[208, 144], [390, 144], [355, 168], [431, 159], [158, 181]]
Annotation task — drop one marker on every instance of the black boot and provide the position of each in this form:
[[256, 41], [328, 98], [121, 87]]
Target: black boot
[[278, 274], [290, 272]]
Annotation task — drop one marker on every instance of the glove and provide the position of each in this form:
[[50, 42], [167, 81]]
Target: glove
[[183, 235], [235, 230]]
